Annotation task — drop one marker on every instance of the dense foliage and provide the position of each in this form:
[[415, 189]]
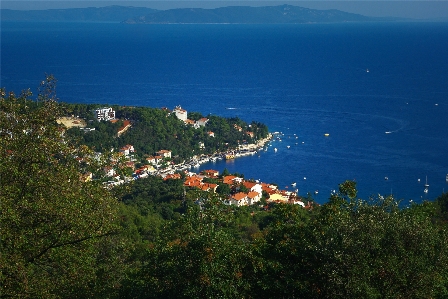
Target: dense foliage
[[63, 237], [57, 232], [154, 129]]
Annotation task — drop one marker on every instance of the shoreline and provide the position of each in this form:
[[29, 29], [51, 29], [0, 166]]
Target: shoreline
[[197, 161]]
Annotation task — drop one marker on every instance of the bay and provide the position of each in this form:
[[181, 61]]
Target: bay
[[353, 81]]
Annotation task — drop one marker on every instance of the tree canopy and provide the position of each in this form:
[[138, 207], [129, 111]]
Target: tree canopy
[[54, 225]]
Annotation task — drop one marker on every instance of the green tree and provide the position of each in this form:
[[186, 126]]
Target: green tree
[[57, 231], [352, 248], [194, 258]]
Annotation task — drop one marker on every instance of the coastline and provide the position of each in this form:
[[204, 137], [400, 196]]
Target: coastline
[[198, 160]]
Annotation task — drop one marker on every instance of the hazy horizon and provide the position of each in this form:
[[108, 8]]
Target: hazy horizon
[[404, 9]]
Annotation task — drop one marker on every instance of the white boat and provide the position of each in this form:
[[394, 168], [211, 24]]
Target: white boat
[[293, 184], [447, 178], [426, 185], [275, 149], [287, 146]]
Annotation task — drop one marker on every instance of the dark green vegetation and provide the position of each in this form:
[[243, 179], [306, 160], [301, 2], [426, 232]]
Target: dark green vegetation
[[154, 129], [65, 238]]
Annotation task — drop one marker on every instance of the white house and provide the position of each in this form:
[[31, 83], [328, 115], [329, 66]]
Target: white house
[[254, 187], [109, 171], [127, 149], [239, 199], [180, 113], [201, 122], [253, 197], [164, 153], [105, 113]]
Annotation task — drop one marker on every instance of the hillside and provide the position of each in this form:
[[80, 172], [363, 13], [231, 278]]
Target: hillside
[[91, 14], [281, 14], [249, 15]]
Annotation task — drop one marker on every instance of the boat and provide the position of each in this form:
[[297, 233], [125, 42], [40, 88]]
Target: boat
[[316, 192], [287, 146], [229, 156], [293, 184], [367, 71], [275, 149], [326, 134], [388, 132], [447, 177], [386, 178], [426, 185]]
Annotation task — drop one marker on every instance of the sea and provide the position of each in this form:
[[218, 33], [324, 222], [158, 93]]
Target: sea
[[350, 101]]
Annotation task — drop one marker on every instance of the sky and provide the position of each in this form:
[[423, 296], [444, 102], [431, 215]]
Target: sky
[[417, 9]]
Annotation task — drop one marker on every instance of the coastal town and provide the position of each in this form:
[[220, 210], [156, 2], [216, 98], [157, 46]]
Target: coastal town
[[160, 163]]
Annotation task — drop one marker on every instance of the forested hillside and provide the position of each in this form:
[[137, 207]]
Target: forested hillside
[[154, 129], [64, 237]]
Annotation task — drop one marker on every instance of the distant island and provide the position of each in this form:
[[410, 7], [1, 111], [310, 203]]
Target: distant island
[[281, 14]]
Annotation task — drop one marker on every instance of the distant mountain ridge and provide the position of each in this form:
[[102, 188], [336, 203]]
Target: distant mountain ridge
[[249, 15], [281, 14], [112, 13]]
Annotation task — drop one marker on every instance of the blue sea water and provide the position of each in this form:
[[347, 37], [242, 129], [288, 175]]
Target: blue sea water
[[302, 80]]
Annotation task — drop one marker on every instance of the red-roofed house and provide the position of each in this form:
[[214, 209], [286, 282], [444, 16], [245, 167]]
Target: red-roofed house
[[151, 160], [209, 187], [239, 199], [254, 197], [230, 180], [127, 149], [253, 186], [211, 173], [193, 181], [174, 176], [164, 153], [201, 122]]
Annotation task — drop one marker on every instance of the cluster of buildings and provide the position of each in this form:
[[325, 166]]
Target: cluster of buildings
[[252, 194], [253, 191], [182, 114]]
